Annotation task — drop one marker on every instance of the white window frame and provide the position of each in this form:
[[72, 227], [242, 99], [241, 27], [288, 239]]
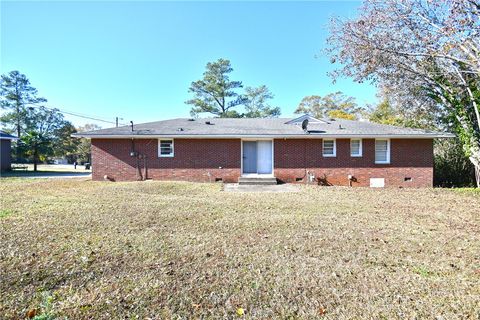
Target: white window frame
[[388, 151], [360, 148], [334, 148], [170, 155]]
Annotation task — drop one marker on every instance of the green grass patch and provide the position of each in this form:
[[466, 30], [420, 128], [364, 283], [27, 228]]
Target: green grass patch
[[474, 191], [422, 271], [5, 213]]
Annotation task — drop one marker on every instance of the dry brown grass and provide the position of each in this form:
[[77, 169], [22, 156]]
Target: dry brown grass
[[182, 250]]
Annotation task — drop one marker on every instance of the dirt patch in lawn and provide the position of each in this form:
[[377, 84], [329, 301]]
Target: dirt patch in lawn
[[85, 249]]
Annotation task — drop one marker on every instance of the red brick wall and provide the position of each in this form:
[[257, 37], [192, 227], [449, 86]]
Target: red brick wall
[[412, 158], [5, 157], [201, 159], [194, 160]]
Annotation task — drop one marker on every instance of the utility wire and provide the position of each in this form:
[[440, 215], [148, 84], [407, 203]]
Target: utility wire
[[77, 114]]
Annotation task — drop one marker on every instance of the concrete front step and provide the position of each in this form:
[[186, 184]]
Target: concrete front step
[[257, 181]]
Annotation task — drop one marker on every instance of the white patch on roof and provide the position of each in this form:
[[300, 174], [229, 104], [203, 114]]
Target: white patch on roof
[[306, 116]]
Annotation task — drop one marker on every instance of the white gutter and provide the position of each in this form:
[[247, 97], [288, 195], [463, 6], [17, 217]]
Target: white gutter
[[8, 138], [271, 136]]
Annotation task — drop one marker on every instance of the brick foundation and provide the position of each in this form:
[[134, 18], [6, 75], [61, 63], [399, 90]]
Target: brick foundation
[[208, 160]]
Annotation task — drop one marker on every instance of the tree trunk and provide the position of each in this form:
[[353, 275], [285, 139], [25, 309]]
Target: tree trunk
[[477, 175], [18, 128], [475, 159], [473, 146], [35, 159]]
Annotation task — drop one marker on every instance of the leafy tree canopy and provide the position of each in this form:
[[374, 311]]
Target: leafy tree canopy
[[42, 133], [384, 113], [334, 105], [83, 152], [256, 104], [215, 93], [63, 143], [16, 94], [400, 108], [428, 50]]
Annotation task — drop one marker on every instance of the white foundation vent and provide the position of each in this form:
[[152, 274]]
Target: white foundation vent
[[377, 182]]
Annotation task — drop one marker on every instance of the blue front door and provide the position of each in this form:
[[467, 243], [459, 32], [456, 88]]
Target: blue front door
[[249, 157]]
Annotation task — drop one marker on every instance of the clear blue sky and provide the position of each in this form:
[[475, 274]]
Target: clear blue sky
[[136, 59]]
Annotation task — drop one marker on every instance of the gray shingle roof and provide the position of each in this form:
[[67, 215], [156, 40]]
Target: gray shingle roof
[[6, 136], [257, 127]]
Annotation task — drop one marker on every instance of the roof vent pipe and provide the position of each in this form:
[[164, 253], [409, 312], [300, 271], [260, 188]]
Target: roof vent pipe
[[131, 123]]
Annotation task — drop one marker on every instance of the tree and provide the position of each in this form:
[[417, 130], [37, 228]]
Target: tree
[[401, 108], [340, 114], [429, 49], [215, 92], [16, 93], [64, 145], [43, 126], [83, 152], [452, 168], [332, 105], [384, 113], [37, 146], [256, 104]]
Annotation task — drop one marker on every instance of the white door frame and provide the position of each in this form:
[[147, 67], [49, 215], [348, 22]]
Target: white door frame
[[241, 158]]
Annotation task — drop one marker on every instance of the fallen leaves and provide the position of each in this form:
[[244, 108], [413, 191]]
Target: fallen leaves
[[322, 311], [240, 312], [31, 313]]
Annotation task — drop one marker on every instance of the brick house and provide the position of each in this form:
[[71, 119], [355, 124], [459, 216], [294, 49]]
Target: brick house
[[304, 149], [5, 150]]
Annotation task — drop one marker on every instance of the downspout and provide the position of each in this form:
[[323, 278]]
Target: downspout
[[139, 170], [305, 161], [145, 167], [134, 154]]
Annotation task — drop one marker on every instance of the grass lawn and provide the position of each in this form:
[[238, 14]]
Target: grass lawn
[[97, 250]]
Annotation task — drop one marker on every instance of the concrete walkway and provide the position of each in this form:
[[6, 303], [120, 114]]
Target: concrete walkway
[[49, 171], [46, 175], [235, 187], [61, 175]]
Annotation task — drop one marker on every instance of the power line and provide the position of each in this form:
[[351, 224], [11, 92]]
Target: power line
[[76, 114]]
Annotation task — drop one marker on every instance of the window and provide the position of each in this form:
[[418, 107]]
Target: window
[[329, 148], [356, 147], [165, 148], [382, 151]]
